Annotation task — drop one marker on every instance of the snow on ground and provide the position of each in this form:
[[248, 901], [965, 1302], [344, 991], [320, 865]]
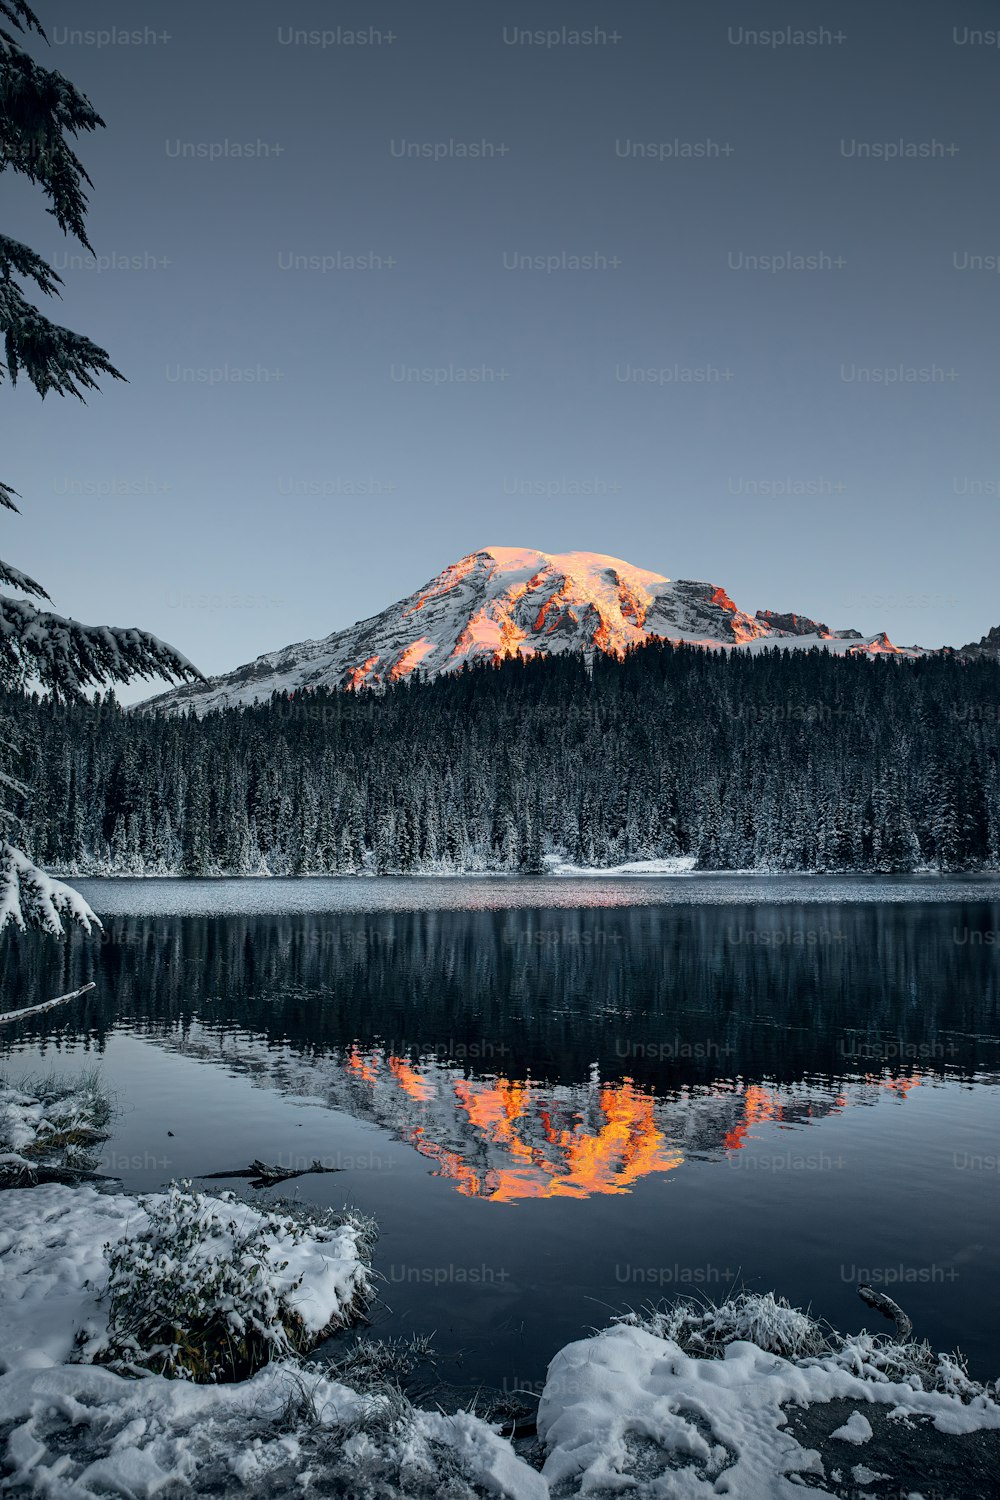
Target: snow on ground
[[82, 1431], [71, 1428], [53, 1266], [672, 1405], [629, 1411], [680, 864]]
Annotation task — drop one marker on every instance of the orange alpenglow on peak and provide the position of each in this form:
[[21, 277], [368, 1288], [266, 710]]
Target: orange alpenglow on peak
[[508, 602]]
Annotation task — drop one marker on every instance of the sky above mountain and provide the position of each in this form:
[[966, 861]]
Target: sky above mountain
[[711, 290]]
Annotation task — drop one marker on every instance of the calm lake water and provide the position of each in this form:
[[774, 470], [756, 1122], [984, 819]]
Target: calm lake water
[[562, 1098]]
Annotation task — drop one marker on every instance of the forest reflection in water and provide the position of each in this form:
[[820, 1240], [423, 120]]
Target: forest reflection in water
[[536, 1053]]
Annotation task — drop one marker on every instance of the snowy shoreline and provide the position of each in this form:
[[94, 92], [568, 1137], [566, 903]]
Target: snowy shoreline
[[689, 1399], [682, 868], [692, 1397]]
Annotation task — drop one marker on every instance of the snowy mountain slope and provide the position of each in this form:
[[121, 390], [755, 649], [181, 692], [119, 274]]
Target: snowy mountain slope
[[987, 646], [509, 601]]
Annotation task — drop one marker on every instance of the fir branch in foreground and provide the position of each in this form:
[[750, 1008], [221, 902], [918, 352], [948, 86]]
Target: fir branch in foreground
[[67, 657]]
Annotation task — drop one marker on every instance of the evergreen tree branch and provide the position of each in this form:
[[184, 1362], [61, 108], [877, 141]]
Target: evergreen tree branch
[[30, 898], [38, 108], [18, 580], [67, 657], [13, 576], [21, 16], [53, 358], [22, 261]]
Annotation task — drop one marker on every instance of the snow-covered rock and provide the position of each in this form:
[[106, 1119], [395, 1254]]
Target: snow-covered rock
[[515, 602], [857, 1430]]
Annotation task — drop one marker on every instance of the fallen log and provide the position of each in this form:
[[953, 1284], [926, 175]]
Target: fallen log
[[889, 1309], [36, 1010], [264, 1175]]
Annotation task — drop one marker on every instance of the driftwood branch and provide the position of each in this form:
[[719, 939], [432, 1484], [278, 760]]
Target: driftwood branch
[[267, 1176], [889, 1309], [36, 1010]]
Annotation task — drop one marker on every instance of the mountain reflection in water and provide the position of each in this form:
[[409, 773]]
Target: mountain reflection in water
[[503, 1140], [629, 1095], [548, 1069]]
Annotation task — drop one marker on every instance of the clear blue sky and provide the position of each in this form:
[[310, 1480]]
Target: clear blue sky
[[238, 526]]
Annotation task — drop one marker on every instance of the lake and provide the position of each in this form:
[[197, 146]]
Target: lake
[[564, 1097]]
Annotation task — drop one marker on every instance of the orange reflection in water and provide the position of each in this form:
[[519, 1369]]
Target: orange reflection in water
[[410, 1080], [572, 1161], [759, 1104], [505, 1139], [361, 1067], [514, 1143]]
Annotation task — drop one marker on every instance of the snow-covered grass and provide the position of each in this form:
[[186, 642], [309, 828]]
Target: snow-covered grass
[[49, 1128], [773, 1325], [85, 1432], [377, 1364], [708, 1328], [207, 1288]]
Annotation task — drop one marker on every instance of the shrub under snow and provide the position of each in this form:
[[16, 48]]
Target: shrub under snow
[[211, 1289]]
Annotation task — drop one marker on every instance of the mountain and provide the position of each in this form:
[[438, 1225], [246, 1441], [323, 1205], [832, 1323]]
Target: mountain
[[507, 601], [988, 646]]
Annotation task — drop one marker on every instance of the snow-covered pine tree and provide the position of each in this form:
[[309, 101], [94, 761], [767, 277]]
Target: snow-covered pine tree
[[39, 110]]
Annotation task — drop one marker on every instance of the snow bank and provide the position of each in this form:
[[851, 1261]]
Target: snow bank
[[280, 1433], [624, 1409], [53, 1267], [680, 864], [133, 1437], [69, 1427]]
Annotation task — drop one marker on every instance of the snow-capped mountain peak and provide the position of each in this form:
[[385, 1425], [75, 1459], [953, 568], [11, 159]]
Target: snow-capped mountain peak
[[514, 601]]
